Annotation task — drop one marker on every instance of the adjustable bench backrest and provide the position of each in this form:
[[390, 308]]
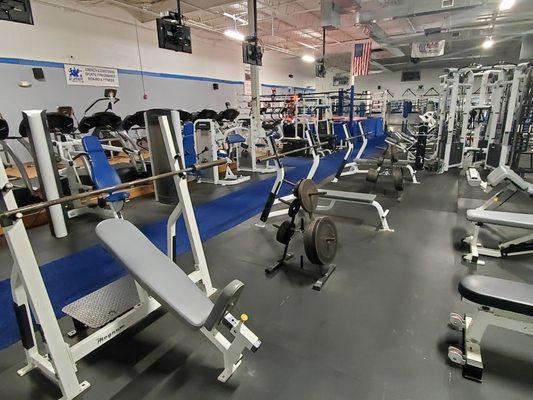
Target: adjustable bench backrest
[[155, 272], [102, 173], [504, 173]]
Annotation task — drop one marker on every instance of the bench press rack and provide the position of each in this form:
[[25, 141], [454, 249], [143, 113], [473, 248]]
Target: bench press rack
[[184, 299]]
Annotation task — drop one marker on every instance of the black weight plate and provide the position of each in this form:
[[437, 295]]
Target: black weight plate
[[320, 241], [307, 194], [397, 178], [294, 208], [285, 232], [372, 175]]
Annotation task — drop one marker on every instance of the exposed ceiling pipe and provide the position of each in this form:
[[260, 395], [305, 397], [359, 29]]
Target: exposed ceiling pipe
[[421, 8], [191, 23]]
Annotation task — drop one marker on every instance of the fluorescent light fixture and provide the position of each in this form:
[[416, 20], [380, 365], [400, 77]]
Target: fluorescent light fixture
[[308, 58], [233, 34], [506, 5], [236, 18], [307, 45], [488, 43]]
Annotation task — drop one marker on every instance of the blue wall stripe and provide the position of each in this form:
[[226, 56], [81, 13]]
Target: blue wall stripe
[[50, 64]]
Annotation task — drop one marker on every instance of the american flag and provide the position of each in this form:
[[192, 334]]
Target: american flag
[[361, 58]]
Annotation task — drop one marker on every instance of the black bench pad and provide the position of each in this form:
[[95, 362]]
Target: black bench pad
[[498, 293]]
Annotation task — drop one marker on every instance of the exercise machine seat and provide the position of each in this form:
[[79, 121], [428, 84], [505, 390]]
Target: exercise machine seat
[[188, 144], [185, 116], [57, 122], [338, 131], [102, 173], [235, 138], [4, 129], [207, 114], [515, 220], [498, 293], [155, 272], [228, 114], [132, 120], [504, 173], [104, 119]]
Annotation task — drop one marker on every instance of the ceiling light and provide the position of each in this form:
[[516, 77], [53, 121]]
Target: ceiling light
[[506, 4], [488, 43], [233, 34], [308, 58], [236, 18]]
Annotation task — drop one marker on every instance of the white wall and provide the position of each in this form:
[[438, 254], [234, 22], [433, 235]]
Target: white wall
[[104, 35], [386, 80]]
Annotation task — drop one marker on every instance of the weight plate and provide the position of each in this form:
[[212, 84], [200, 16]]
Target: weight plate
[[320, 241], [307, 194], [397, 178], [285, 232], [294, 208], [372, 175]]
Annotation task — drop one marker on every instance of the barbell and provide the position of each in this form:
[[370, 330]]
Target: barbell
[[20, 212]]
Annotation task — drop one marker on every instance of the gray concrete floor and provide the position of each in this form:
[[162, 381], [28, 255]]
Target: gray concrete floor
[[378, 330]]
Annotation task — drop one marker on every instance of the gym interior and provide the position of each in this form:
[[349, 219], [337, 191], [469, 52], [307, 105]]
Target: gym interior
[[266, 199]]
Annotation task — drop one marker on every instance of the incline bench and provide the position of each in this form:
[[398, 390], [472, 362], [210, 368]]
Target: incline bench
[[501, 303], [483, 215], [176, 292]]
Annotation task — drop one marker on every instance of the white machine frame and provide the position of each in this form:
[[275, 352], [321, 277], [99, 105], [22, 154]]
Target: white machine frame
[[501, 197], [58, 362], [280, 178], [230, 178], [474, 328], [353, 167]]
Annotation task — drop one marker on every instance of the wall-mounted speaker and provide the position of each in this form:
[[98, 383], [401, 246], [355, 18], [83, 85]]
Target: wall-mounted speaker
[[38, 74]]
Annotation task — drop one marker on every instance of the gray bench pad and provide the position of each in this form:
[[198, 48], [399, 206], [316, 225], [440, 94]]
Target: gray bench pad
[[505, 173], [348, 196], [154, 271], [516, 220], [498, 293]]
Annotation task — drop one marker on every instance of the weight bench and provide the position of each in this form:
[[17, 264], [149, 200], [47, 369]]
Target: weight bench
[[502, 174], [482, 215], [355, 198], [501, 303], [167, 283], [518, 246]]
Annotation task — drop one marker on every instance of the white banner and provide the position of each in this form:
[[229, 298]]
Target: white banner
[[86, 75], [428, 49]]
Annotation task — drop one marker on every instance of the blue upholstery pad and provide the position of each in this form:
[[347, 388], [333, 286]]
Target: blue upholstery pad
[[102, 173]]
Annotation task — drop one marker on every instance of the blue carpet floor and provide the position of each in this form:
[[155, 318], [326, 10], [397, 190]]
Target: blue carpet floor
[[79, 274]]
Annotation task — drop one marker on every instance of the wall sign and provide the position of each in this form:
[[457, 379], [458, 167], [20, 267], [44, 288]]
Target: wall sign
[[86, 75]]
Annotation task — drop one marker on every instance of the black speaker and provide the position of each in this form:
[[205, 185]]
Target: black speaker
[[38, 74]]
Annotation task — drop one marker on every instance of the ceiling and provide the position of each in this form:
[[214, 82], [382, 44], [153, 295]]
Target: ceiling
[[294, 28]]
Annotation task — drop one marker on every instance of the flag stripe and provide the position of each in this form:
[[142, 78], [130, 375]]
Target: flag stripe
[[361, 60]]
